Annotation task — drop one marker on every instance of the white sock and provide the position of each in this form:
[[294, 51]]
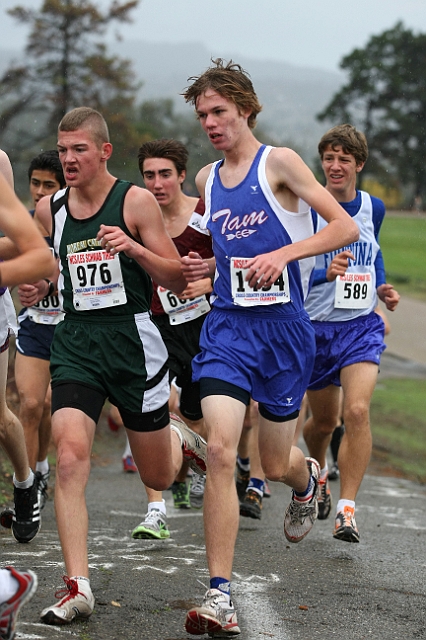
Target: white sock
[[42, 466], [344, 503], [324, 471], [82, 580], [161, 506], [26, 484], [127, 450], [8, 585]]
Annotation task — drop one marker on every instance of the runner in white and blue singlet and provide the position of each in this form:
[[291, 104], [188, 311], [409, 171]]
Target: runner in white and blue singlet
[[349, 334]]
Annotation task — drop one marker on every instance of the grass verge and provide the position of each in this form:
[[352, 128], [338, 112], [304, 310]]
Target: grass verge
[[403, 242], [398, 423]]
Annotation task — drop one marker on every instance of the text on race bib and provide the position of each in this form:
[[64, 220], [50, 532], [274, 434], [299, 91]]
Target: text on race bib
[[246, 296], [353, 291], [97, 280], [47, 311], [180, 310]]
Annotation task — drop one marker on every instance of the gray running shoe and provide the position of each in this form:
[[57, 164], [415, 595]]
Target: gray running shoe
[[300, 517], [76, 601], [216, 616], [242, 480], [42, 481], [196, 491], [324, 499], [251, 506], [154, 527], [194, 447], [345, 526], [334, 472]]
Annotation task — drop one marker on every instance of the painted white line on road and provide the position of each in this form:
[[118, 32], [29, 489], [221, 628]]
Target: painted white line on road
[[40, 629], [408, 524], [253, 606], [247, 579], [171, 514], [169, 571]]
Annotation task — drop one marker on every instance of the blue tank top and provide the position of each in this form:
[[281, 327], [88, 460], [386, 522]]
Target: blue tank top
[[247, 220]]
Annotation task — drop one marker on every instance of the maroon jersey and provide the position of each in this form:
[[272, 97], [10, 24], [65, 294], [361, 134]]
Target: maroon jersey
[[193, 238]]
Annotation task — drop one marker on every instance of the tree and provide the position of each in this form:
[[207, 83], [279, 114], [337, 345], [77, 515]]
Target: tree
[[385, 96], [66, 65]]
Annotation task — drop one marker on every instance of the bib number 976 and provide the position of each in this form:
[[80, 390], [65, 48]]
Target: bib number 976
[[96, 279], [87, 274]]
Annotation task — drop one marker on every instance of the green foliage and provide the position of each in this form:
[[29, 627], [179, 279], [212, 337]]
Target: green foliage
[[403, 242], [398, 424], [155, 119], [66, 65], [158, 119], [385, 96]]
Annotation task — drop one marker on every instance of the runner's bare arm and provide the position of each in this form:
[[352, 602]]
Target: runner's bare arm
[[194, 267], [339, 265], [34, 259], [30, 294], [389, 296], [7, 248], [43, 216], [157, 254], [286, 171], [196, 288], [6, 168]]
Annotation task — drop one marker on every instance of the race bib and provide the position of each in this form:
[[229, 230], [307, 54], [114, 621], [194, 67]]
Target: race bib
[[47, 311], [180, 311], [354, 291], [97, 280], [245, 296]]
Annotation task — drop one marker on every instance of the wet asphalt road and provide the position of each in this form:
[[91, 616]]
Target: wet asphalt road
[[375, 589]]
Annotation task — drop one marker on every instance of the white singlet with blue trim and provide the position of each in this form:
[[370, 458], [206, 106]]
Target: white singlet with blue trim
[[356, 295]]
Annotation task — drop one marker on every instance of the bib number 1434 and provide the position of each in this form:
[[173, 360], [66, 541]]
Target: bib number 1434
[[246, 296]]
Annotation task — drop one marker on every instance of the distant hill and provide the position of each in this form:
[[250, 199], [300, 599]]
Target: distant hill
[[291, 96]]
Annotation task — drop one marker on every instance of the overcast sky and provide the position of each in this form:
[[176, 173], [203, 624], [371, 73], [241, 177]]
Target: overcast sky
[[309, 33]]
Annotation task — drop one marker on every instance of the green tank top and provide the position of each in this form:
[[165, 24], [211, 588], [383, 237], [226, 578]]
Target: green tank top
[[93, 285]]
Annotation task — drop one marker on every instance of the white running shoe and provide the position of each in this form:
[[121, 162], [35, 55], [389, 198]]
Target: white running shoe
[[196, 491], [194, 447], [9, 610], [300, 516], [216, 616], [76, 601], [153, 527]]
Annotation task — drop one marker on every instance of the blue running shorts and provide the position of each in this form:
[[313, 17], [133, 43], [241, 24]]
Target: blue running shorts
[[340, 344], [270, 357], [34, 339]]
